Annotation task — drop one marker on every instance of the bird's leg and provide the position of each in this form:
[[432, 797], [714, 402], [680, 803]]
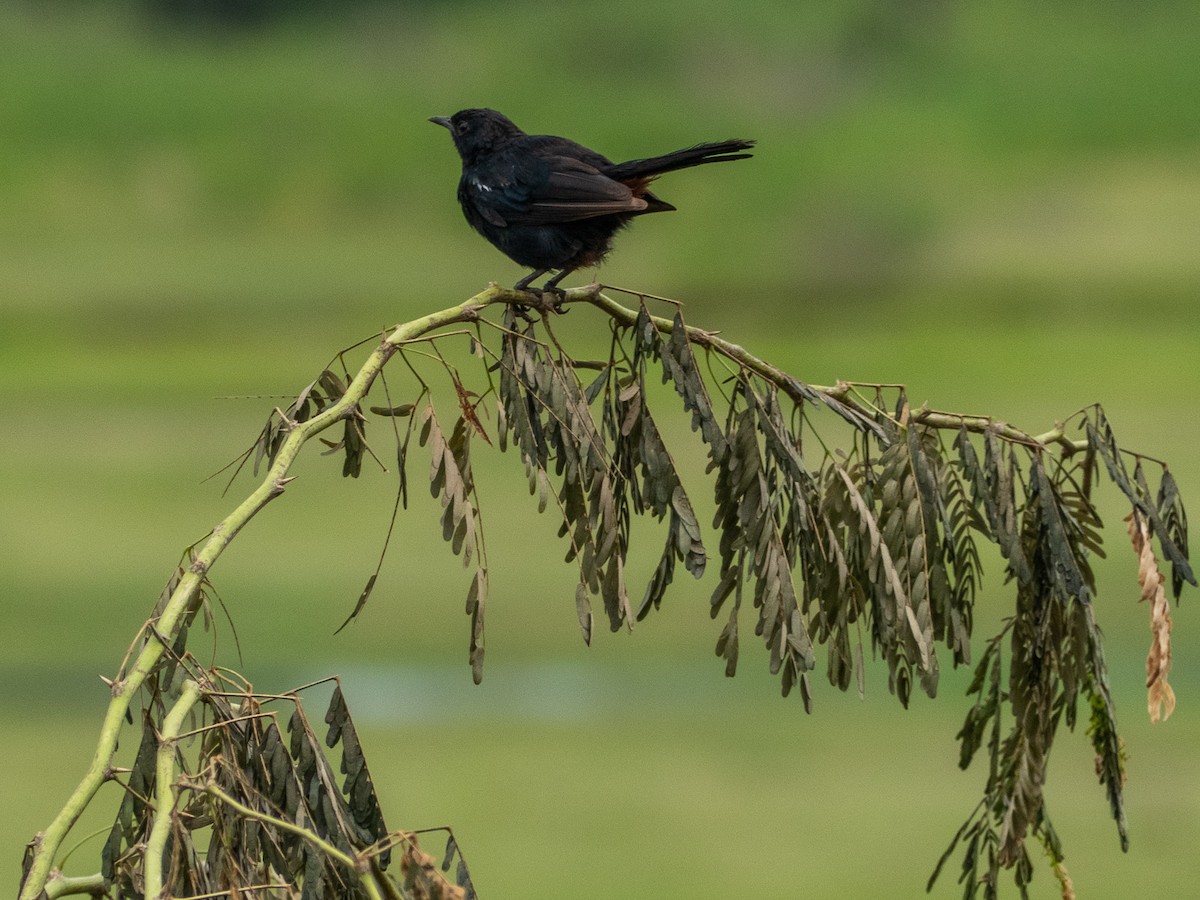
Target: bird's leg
[[523, 284]]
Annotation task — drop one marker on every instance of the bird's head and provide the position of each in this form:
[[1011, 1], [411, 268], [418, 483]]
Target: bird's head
[[477, 131]]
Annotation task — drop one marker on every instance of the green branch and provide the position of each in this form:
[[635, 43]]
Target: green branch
[[60, 885], [46, 844], [166, 793]]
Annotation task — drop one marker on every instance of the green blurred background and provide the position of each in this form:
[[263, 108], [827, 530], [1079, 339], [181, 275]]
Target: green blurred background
[[996, 204]]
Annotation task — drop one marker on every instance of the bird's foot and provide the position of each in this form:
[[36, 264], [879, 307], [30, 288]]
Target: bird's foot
[[550, 295], [521, 311], [553, 299], [543, 300]]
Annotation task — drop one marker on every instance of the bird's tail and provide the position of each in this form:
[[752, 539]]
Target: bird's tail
[[721, 151]]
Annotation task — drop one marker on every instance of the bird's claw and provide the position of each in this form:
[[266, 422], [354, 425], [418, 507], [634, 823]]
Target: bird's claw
[[553, 299], [544, 300]]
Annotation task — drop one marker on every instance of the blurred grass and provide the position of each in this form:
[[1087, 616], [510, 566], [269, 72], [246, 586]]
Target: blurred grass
[[999, 206]]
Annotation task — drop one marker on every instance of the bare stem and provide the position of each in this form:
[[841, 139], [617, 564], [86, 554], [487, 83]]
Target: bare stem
[[60, 885], [166, 791]]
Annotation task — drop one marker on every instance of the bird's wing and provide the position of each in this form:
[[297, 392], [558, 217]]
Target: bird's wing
[[548, 190]]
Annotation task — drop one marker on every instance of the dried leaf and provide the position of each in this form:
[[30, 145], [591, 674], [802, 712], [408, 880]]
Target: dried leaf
[[583, 608], [362, 601], [1101, 440], [1160, 697]]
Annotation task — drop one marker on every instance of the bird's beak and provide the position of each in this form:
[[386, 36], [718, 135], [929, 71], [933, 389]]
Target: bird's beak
[[440, 120]]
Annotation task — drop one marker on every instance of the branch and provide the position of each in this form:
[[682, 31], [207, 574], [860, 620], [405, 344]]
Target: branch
[[166, 789], [913, 466], [353, 863], [841, 393], [60, 885], [46, 844]]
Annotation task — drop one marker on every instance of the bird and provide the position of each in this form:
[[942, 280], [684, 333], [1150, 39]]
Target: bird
[[549, 203]]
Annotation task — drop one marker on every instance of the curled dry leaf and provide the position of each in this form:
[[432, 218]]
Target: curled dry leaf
[[1064, 880], [1160, 698], [422, 875]]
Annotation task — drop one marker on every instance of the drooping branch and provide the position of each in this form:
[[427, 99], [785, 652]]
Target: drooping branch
[[46, 844], [881, 534]]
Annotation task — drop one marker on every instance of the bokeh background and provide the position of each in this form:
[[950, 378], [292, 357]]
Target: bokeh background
[[995, 203]]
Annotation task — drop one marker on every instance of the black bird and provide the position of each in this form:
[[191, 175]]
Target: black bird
[[550, 203]]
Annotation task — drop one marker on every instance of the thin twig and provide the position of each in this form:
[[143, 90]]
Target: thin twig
[[352, 863]]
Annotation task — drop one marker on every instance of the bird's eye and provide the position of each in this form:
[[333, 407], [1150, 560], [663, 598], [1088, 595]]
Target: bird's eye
[[461, 127]]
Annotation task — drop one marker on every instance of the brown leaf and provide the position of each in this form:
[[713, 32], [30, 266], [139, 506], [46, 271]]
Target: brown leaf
[[1160, 699], [1064, 879]]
